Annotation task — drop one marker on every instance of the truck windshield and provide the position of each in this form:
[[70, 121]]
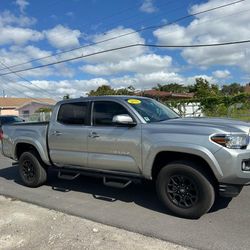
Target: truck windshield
[[151, 110]]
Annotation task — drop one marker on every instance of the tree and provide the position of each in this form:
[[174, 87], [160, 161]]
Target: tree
[[203, 89], [102, 90], [66, 97], [171, 87], [44, 109], [232, 89], [107, 90]]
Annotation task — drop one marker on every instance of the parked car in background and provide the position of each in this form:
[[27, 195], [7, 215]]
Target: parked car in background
[[9, 119]]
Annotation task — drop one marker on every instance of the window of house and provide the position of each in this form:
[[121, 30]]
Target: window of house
[[25, 113], [104, 111], [73, 113]]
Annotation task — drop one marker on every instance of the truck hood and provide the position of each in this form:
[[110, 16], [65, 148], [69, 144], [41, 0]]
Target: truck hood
[[210, 125]]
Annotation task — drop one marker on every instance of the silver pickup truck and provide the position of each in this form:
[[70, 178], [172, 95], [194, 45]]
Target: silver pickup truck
[[127, 139]]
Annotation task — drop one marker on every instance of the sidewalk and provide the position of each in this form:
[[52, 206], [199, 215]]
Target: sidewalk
[[26, 226]]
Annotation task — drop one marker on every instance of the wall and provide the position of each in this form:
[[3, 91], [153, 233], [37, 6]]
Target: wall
[[31, 108], [9, 112], [190, 110]]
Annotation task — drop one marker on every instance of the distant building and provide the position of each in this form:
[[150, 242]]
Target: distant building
[[247, 88], [23, 107], [164, 95]]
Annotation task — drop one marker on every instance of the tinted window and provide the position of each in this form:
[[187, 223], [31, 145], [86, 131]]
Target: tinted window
[[73, 113], [10, 119], [104, 112]]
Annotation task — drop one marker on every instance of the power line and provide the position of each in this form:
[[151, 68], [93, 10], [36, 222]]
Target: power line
[[136, 15], [130, 46], [129, 33], [24, 79], [107, 17], [18, 91]]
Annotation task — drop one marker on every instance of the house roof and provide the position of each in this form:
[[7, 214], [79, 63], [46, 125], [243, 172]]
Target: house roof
[[164, 94], [9, 102]]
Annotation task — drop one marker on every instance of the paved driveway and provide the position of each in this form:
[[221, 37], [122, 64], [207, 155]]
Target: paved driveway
[[137, 209]]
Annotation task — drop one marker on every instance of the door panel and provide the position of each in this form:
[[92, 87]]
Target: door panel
[[69, 148], [68, 136], [115, 148], [111, 147]]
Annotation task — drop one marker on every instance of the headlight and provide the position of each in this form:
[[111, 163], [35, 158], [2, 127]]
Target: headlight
[[237, 141]]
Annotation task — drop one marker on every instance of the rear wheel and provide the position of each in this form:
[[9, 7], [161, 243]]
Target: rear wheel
[[31, 169], [185, 189]]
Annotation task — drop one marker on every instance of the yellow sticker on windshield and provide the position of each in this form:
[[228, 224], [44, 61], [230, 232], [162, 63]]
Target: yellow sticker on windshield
[[134, 101]]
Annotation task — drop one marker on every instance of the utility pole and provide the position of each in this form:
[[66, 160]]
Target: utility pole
[[3, 93]]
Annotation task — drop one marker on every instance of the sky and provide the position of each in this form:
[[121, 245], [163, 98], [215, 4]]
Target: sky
[[31, 29]]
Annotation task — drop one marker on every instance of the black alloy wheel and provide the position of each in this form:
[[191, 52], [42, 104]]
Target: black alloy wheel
[[31, 169], [182, 191], [186, 189], [28, 170]]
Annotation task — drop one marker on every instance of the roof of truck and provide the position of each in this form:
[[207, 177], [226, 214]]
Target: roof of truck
[[105, 97]]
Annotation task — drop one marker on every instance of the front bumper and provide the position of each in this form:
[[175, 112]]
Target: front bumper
[[230, 162], [229, 190]]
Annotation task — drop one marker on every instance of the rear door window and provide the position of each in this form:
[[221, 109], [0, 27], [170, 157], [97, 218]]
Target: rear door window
[[73, 113]]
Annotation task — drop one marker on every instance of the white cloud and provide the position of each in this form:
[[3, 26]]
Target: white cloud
[[147, 81], [8, 18], [22, 5], [221, 74], [141, 64], [148, 6], [191, 80], [18, 55], [172, 35], [70, 14], [62, 37], [57, 89], [228, 24], [115, 56], [17, 35], [77, 88]]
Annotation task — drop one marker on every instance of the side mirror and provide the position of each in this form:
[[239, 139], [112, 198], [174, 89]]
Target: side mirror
[[124, 120]]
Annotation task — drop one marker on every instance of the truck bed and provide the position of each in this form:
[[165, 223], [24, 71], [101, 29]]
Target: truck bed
[[34, 133]]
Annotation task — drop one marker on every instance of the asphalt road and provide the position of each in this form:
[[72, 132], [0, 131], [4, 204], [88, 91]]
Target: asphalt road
[[137, 209]]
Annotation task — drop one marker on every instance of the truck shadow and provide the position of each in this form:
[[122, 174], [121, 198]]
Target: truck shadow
[[143, 195]]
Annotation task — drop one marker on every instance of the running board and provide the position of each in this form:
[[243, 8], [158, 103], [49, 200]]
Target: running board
[[118, 183], [67, 176], [110, 178]]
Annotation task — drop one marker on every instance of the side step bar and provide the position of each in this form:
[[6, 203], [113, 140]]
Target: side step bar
[[116, 180], [67, 176], [117, 183]]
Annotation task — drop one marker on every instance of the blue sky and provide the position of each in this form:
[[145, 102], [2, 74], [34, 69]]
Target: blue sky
[[31, 29]]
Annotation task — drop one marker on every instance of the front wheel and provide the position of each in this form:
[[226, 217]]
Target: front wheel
[[185, 189], [31, 169]]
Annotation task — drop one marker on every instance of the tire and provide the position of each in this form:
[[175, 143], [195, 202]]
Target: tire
[[31, 169], [185, 189]]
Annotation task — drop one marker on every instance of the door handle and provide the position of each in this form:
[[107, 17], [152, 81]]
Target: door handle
[[93, 135], [56, 133]]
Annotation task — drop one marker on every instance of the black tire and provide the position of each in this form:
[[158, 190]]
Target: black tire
[[185, 189], [31, 169]]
